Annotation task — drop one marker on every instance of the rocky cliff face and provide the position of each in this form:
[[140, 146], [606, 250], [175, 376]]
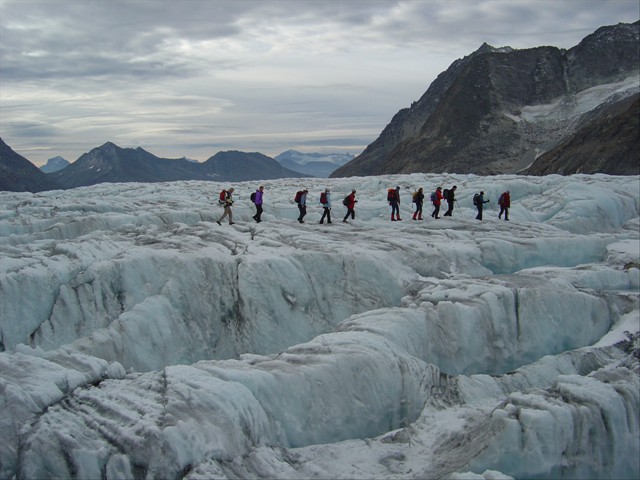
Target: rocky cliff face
[[496, 110], [607, 143]]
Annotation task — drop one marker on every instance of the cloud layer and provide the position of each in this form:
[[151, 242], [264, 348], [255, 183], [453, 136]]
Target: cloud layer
[[195, 77]]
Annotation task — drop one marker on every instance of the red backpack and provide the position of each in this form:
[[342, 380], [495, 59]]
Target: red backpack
[[391, 194], [223, 197], [323, 198], [297, 197]]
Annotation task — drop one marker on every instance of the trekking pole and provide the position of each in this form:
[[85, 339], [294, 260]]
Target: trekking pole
[[455, 202]]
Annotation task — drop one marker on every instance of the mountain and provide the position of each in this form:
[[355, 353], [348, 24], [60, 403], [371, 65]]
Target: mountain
[[111, 163], [314, 164], [17, 174], [235, 166], [608, 143], [495, 110], [54, 164]]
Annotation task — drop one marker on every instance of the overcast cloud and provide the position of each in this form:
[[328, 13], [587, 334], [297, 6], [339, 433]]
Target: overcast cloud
[[191, 77]]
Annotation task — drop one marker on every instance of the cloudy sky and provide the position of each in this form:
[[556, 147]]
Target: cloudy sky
[[191, 77]]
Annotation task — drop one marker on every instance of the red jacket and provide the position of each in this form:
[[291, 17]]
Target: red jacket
[[439, 197], [505, 200], [351, 200]]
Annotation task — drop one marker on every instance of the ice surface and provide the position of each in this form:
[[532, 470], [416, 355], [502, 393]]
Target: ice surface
[[140, 339]]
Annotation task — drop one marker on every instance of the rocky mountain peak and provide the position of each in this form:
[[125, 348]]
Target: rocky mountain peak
[[497, 109]]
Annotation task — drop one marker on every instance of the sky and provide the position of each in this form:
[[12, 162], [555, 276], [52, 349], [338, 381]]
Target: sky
[[192, 78]]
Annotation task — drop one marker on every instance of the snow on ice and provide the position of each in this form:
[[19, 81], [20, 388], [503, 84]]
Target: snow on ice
[[142, 340]]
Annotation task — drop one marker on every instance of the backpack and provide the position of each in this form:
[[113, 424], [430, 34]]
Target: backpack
[[253, 197], [445, 194], [297, 197], [223, 197], [391, 194], [323, 198], [501, 199], [414, 197], [476, 199], [434, 196], [345, 202]]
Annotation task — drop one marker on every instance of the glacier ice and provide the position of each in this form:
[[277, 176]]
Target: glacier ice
[[141, 339]]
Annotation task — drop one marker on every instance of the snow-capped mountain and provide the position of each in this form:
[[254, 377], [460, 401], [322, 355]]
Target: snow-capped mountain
[[54, 164], [140, 339], [496, 110], [315, 164]]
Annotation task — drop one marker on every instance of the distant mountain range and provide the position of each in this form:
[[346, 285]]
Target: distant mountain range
[[314, 164], [501, 110], [111, 163], [54, 164]]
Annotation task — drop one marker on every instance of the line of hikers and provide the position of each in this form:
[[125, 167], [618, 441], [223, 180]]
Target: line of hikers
[[438, 195], [393, 197]]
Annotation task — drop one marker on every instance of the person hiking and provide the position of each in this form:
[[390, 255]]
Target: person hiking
[[257, 200], [436, 199], [350, 202], [301, 200], [479, 201], [227, 202], [418, 199], [394, 200], [325, 201], [450, 197], [505, 202]]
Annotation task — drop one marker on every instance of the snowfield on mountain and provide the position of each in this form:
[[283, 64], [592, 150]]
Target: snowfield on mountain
[[142, 340]]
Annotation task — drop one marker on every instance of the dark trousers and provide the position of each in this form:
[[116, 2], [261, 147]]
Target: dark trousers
[[395, 209], [303, 212], [418, 211], [479, 216], [350, 211], [449, 209], [436, 210], [326, 214], [504, 210], [258, 216]]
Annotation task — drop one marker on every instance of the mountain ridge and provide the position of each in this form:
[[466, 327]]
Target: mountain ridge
[[111, 163], [462, 123]]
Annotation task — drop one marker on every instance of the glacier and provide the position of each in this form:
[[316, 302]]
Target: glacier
[[139, 339]]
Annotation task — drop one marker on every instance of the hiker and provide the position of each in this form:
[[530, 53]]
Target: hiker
[[394, 200], [350, 202], [479, 201], [325, 200], [450, 197], [301, 200], [436, 199], [226, 200], [418, 199], [257, 200], [505, 202]]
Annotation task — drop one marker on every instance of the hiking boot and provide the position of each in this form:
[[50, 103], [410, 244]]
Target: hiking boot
[[218, 223]]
